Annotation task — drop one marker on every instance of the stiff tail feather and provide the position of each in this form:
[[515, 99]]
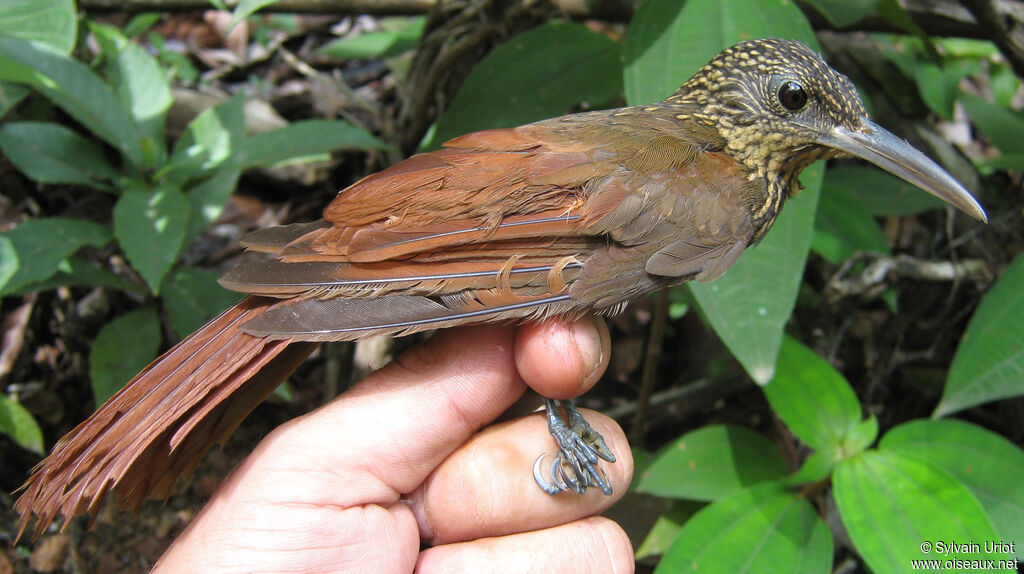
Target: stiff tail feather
[[160, 424]]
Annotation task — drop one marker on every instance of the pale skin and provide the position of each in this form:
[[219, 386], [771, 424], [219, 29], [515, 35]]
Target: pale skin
[[406, 472]]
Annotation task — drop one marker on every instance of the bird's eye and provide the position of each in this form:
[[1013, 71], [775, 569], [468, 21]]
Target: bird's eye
[[792, 96]]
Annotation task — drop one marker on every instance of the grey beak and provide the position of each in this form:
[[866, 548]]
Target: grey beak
[[873, 143]]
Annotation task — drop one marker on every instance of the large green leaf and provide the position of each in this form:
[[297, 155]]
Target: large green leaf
[[989, 466], [843, 13], [49, 21], [1002, 126], [535, 75], [897, 509], [300, 140], [711, 462], [51, 153], [40, 245], [142, 87], [764, 529], [989, 363], [192, 297], [811, 397], [749, 306], [667, 528], [668, 40], [122, 348], [75, 88], [843, 227], [150, 226], [17, 423], [77, 272], [876, 191]]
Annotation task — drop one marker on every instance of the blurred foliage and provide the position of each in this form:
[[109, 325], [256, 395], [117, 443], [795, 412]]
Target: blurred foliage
[[166, 195], [740, 504]]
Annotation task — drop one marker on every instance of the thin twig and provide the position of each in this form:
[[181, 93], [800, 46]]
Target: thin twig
[[650, 369]]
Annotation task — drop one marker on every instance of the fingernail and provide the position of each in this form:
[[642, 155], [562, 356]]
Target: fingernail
[[587, 335]]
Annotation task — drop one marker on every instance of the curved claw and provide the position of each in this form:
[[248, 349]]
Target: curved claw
[[577, 483], [542, 482]]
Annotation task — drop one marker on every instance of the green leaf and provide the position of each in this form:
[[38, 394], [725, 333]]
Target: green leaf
[[844, 227], [206, 201], [749, 306], [141, 86], [150, 226], [11, 95], [40, 245], [384, 44], [1013, 161], [668, 40], [1004, 83], [817, 467], [666, 529], [73, 87], [861, 437], [535, 75], [301, 139], [989, 465], [679, 301], [712, 462], [939, 86], [1003, 127], [208, 141], [811, 397], [989, 363], [876, 191], [843, 13], [52, 22], [78, 272], [49, 21], [764, 529], [17, 423], [892, 506], [51, 153], [122, 348], [140, 23], [192, 297], [892, 11], [246, 8], [8, 262]]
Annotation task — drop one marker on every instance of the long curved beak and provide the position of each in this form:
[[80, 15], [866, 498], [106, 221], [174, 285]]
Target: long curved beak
[[875, 144]]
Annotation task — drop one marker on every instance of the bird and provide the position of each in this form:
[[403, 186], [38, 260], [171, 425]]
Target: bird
[[551, 220]]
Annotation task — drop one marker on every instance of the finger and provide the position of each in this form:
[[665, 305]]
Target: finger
[[385, 435], [486, 487], [594, 544], [563, 360]]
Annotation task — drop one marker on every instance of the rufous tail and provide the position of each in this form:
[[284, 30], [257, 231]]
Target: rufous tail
[[160, 424]]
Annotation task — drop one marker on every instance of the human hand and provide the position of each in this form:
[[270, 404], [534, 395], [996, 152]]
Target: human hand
[[402, 473]]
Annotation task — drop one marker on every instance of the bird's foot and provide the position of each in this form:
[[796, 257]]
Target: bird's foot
[[581, 447]]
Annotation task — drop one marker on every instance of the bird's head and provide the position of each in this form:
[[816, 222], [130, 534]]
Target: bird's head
[[778, 106]]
